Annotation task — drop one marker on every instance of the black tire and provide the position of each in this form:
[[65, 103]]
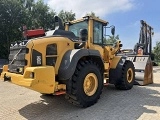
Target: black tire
[[75, 93], [125, 83]]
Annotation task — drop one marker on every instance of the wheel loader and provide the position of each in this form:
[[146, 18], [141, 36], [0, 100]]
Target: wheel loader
[[142, 56], [73, 59]]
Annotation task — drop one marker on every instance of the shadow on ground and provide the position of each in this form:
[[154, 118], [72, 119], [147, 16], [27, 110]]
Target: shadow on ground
[[154, 85], [114, 104]]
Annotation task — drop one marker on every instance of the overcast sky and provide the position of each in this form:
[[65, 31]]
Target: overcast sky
[[124, 14]]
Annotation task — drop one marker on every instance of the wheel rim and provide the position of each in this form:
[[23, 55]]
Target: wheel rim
[[130, 75], [90, 84]]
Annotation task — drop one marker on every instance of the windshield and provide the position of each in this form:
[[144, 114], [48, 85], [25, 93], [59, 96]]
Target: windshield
[[76, 27]]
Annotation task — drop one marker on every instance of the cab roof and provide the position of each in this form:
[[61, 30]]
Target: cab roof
[[88, 17]]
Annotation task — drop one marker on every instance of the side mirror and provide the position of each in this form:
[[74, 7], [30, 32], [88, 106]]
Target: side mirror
[[83, 34], [113, 30], [120, 45]]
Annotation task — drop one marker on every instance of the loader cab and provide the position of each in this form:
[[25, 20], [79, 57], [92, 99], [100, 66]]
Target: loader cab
[[96, 29]]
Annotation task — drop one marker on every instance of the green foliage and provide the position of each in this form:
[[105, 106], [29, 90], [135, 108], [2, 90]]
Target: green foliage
[[66, 15], [156, 51], [12, 14], [41, 16], [111, 39]]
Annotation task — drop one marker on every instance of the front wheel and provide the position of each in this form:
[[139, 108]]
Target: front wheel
[[86, 85], [127, 79]]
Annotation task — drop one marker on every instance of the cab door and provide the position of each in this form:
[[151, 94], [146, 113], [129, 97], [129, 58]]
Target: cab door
[[97, 39]]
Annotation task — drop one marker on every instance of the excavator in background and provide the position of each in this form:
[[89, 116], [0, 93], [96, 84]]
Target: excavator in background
[[142, 55]]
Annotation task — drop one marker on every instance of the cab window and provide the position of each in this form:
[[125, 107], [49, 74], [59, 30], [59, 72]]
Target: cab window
[[97, 32], [76, 27]]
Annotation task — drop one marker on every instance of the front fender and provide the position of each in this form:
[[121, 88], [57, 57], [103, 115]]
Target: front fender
[[70, 60], [115, 72]]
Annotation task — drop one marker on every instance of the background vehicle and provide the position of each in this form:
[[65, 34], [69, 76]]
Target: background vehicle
[[72, 60], [142, 56]]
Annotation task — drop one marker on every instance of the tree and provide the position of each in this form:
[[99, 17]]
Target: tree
[[156, 52], [41, 16], [12, 16], [28, 4], [111, 39], [67, 15]]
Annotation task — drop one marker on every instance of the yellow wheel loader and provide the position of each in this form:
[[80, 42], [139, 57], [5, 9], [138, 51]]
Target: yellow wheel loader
[[72, 60]]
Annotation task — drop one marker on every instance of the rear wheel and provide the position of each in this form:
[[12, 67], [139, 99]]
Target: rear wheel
[[86, 85], [126, 82]]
